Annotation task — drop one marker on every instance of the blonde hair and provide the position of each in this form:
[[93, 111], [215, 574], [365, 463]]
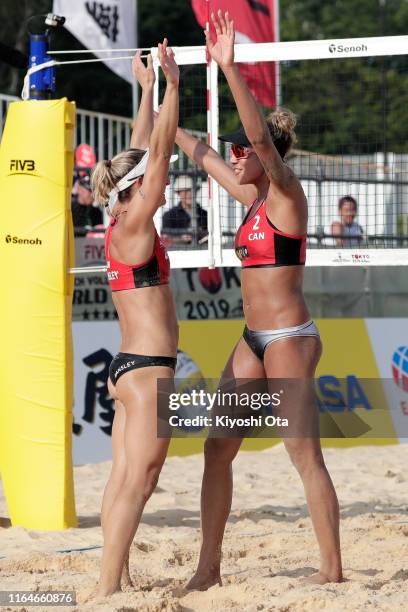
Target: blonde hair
[[107, 174], [281, 124]]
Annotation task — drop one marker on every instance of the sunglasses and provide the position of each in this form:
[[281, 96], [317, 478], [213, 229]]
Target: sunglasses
[[240, 152]]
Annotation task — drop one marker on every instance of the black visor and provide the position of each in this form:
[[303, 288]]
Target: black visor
[[239, 138]]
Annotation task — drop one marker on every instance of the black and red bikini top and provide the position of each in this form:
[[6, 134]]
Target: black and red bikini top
[[259, 244], [153, 271]]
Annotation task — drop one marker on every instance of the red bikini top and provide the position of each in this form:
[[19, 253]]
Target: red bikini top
[[259, 244], [153, 271]]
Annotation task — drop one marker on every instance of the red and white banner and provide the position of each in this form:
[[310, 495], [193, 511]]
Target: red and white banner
[[254, 22]]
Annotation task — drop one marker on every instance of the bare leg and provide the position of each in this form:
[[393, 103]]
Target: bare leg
[[216, 491], [299, 357], [306, 455], [117, 475], [216, 498], [145, 454]]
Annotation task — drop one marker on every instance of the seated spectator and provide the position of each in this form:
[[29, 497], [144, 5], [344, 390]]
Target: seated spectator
[[350, 233], [84, 212], [180, 217]]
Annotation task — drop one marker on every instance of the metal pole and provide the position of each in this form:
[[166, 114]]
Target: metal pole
[[135, 91], [320, 173], [135, 99], [278, 75], [210, 183], [42, 83]]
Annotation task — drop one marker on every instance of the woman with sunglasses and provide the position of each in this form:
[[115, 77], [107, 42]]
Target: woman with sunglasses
[[279, 340], [132, 184]]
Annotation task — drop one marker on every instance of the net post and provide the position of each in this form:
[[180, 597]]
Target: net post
[[278, 75], [214, 131], [101, 152], [156, 88], [210, 182], [157, 219]]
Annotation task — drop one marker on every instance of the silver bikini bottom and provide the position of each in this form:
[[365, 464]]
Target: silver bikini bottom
[[259, 340]]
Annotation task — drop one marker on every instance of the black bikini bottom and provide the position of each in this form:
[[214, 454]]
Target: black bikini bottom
[[125, 362]]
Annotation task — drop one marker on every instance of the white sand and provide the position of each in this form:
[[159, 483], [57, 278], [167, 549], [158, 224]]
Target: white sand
[[269, 541]]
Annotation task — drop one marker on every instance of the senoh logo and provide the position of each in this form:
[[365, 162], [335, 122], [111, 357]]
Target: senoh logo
[[344, 49], [22, 165], [16, 240]]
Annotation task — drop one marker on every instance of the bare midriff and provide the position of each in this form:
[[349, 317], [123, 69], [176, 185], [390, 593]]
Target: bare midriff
[[273, 297], [148, 320]]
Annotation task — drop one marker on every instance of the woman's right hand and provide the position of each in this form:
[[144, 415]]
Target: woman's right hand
[[167, 62], [144, 74], [222, 49]]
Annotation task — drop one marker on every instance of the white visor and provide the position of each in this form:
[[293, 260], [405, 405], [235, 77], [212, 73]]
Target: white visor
[[130, 178]]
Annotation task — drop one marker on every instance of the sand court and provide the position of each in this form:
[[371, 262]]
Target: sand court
[[269, 543]]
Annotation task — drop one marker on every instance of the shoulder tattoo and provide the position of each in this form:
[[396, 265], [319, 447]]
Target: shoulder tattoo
[[281, 173]]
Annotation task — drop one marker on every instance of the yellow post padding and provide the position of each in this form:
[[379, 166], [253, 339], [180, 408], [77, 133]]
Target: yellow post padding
[[36, 369]]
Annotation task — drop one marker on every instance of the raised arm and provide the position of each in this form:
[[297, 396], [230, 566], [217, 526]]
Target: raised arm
[[222, 51], [214, 165], [143, 124], [150, 195]]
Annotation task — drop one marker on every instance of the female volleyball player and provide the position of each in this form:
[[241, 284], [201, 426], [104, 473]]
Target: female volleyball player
[[132, 184], [280, 340]]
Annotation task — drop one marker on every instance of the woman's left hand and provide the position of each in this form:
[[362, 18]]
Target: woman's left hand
[[144, 74], [222, 50], [168, 63]]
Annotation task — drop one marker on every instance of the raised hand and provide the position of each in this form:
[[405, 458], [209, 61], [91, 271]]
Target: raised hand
[[144, 74], [222, 49], [168, 63]]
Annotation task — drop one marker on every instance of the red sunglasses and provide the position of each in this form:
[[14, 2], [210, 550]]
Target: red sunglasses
[[240, 152]]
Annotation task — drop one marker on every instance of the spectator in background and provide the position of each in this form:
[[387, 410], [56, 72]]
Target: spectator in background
[[349, 232], [84, 211], [180, 217]]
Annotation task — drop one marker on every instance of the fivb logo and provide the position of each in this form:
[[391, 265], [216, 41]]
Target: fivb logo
[[333, 48], [22, 165]]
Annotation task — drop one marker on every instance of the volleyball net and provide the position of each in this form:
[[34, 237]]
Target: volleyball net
[[351, 100], [350, 97]]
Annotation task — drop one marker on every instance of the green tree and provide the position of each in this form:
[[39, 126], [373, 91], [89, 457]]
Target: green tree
[[347, 106]]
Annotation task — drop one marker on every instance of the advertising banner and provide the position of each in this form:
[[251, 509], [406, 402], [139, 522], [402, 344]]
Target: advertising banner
[[389, 340], [363, 369]]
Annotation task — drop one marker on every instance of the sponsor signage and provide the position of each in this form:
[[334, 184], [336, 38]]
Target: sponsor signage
[[363, 372], [21, 166], [16, 240], [343, 49]]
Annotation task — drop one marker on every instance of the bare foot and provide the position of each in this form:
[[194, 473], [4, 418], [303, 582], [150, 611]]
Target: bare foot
[[91, 595], [202, 582], [86, 595], [320, 578], [126, 580], [101, 595]]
